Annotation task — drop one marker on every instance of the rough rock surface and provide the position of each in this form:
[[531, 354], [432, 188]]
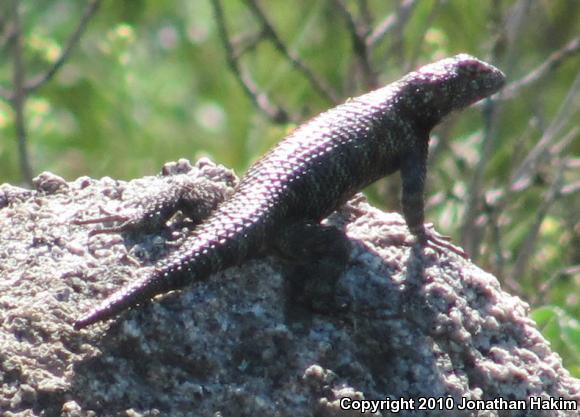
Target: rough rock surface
[[413, 325]]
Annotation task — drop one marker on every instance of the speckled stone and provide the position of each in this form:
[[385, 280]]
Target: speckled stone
[[412, 326]]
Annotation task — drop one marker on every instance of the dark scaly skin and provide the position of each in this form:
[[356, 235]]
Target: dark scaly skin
[[317, 168]]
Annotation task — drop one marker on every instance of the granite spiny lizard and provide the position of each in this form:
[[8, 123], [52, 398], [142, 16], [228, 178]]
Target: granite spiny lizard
[[315, 170]]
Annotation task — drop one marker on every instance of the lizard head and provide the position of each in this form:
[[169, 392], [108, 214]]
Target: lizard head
[[437, 89]]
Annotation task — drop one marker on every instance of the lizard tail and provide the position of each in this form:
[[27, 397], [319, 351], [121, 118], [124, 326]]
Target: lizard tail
[[163, 279], [112, 305], [205, 253]]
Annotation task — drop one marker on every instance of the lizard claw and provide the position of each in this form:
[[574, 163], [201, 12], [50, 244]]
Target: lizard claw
[[430, 230], [108, 218], [126, 224], [439, 242]]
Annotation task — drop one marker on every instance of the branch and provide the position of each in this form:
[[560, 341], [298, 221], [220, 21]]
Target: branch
[[554, 61], [552, 195], [358, 37], [5, 94], [18, 98], [6, 31], [414, 55], [259, 98], [493, 216], [244, 43], [41, 79], [366, 15], [391, 22], [521, 177], [6, 37], [499, 199], [317, 83], [540, 296], [570, 189], [469, 237]]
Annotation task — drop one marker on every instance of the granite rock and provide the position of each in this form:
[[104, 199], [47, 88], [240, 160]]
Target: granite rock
[[410, 325]]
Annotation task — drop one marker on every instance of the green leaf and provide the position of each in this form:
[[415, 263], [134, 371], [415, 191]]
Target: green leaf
[[563, 332]]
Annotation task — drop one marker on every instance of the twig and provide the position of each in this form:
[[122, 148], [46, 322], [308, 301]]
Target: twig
[[553, 193], [469, 237], [259, 98], [242, 44], [414, 56], [545, 149], [391, 22], [18, 98], [573, 163], [6, 31], [5, 94], [41, 79], [514, 25], [358, 36], [540, 296], [495, 201], [5, 38], [501, 200], [317, 83], [570, 189], [21, 89], [366, 15], [397, 47], [521, 177], [513, 28], [554, 61], [496, 236]]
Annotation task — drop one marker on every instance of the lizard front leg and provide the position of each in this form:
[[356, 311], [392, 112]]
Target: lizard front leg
[[413, 171]]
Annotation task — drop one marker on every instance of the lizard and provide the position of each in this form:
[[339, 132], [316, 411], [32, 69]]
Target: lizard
[[315, 170]]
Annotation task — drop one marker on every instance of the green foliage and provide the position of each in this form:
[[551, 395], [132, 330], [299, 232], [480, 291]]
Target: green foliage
[[563, 332]]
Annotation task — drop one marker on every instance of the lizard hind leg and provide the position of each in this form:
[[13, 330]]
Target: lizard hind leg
[[195, 198], [315, 257]]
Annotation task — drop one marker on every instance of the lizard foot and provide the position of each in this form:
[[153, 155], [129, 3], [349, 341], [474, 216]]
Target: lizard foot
[[125, 226], [439, 242]]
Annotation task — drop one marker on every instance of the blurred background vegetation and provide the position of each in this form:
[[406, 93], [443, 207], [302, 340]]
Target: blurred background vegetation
[[105, 88]]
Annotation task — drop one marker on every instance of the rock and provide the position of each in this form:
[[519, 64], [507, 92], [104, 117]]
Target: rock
[[412, 325]]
